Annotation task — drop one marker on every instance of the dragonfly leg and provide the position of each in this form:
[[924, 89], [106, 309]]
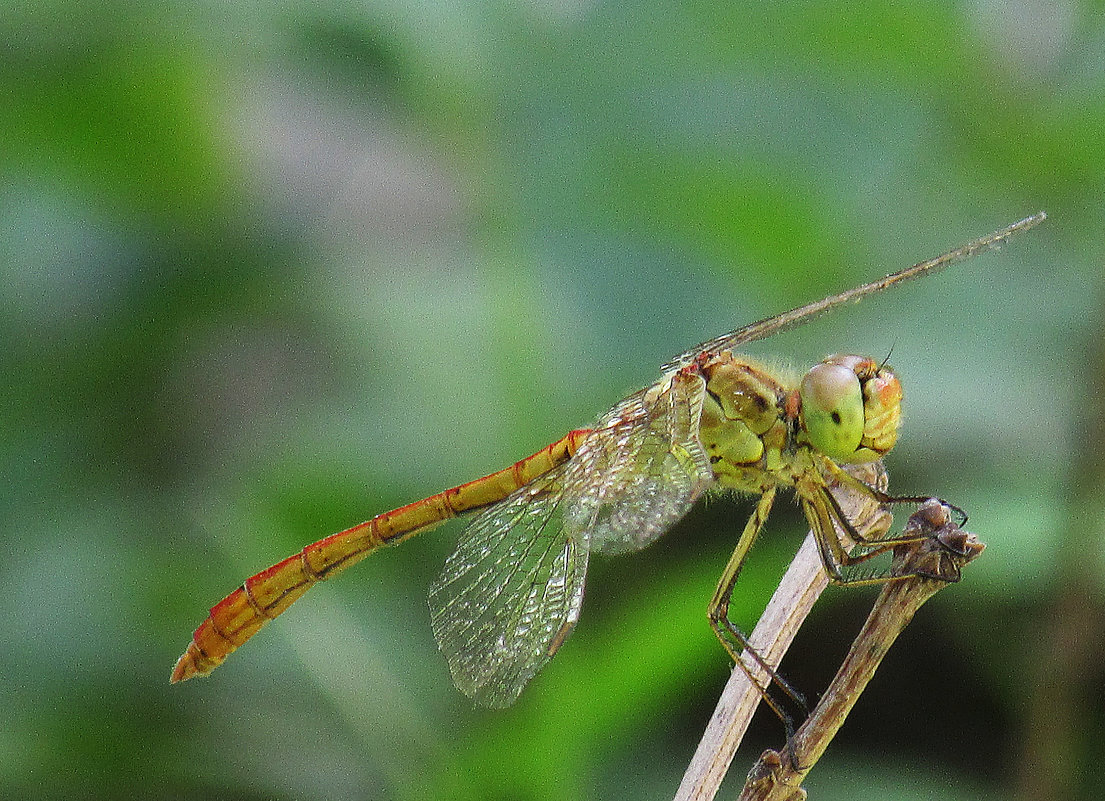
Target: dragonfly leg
[[823, 511], [824, 536], [732, 638], [846, 479]]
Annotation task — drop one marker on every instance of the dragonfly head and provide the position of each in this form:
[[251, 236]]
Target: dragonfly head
[[850, 408]]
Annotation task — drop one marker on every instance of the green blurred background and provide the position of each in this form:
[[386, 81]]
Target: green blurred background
[[269, 269]]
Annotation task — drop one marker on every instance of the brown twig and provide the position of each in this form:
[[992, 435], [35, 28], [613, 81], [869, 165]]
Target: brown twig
[[929, 565], [789, 606]]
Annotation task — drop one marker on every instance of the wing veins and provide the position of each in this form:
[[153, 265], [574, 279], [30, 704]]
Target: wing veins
[[493, 599], [803, 314]]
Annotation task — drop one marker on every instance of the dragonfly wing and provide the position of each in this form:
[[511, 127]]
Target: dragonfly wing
[[510, 592], [642, 467], [803, 314]]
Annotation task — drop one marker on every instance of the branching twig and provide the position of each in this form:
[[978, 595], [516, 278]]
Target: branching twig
[[930, 564], [789, 606], [803, 583]]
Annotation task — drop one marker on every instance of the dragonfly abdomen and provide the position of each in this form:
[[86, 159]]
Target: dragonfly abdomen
[[266, 595]]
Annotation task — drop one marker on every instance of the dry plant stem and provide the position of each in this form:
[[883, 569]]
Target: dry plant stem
[[776, 778], [803, 583], [791, 603]]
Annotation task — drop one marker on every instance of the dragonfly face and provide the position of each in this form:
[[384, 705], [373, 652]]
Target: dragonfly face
[[851, 408], [761, 431]]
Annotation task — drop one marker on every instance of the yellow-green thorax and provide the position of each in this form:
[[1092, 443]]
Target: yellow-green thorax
[[760, 431]]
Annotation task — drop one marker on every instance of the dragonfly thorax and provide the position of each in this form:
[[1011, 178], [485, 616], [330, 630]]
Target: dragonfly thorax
[[758, 429]]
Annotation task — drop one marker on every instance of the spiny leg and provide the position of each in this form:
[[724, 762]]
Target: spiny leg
[[846, 479], [823, 511], [733, 640]]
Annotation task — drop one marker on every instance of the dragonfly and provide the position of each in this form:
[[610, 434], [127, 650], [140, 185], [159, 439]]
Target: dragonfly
[[512, 591]]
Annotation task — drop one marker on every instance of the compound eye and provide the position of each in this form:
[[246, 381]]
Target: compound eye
[[832, 410]]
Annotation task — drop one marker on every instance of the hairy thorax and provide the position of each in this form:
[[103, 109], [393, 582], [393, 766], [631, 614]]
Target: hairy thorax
[[754, 428]]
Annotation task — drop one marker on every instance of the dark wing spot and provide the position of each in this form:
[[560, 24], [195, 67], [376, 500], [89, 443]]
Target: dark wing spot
[[836, 417]]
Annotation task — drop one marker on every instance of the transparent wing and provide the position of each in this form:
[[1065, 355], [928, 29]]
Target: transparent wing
[[803, 314], [510, 592], [643, 467]]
